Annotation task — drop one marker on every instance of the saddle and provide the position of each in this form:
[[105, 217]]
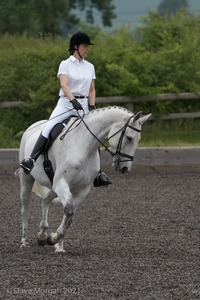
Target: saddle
[[56, 130]]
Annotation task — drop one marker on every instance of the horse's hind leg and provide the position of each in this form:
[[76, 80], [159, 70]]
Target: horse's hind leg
[[42, 235], [25, 193]]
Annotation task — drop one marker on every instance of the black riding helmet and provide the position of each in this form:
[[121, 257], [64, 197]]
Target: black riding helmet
[[77, 39]]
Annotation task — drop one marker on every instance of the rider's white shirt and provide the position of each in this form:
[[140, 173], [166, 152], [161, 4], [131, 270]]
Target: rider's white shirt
[[80, 75]]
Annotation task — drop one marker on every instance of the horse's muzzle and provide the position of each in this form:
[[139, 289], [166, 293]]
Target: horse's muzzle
[[121, 170], [124, 170]]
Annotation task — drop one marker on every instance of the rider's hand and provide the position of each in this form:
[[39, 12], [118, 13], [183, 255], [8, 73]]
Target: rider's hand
[[76, 104], [92, 107]]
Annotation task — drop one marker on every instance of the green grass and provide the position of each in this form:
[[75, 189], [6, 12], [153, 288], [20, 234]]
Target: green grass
[[8, 139], [176, 133]]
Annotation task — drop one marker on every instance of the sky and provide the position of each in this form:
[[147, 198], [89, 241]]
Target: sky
[[129, 12]]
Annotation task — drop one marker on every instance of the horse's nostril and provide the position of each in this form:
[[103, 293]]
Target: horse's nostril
[[124, 170]]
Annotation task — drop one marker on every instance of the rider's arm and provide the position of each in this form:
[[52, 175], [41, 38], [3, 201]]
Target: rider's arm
[[64, 86], [92, 94]]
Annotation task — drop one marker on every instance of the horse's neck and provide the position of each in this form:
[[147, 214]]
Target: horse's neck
[[101, 121], [94, 128]]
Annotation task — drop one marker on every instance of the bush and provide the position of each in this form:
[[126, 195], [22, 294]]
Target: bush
[[164, 57], [29, 74]]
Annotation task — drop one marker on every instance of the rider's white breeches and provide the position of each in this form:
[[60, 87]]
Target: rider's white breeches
[[62, 111]]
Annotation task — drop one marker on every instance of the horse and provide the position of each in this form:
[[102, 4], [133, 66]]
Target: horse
[[76, 162]]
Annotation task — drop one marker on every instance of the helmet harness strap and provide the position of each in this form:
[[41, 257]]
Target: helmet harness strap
[[79, 53]]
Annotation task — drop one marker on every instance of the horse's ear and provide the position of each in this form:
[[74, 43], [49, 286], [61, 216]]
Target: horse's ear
[[137, 116], [144, 119]]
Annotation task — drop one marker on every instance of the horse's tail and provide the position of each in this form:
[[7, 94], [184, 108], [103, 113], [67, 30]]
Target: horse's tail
[[17, 172]]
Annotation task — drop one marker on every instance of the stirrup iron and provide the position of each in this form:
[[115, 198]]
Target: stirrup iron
[[27, 165]]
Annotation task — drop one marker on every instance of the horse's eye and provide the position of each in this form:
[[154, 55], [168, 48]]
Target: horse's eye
[[129, 138]]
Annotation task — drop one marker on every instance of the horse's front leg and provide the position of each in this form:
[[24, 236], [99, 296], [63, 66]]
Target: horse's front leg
[[26, 182], [55, 238], [70, 204], [65, 196], [42, 235], [67, 218]]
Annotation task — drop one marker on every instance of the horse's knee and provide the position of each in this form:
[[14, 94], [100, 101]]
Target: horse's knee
[[69, 210]]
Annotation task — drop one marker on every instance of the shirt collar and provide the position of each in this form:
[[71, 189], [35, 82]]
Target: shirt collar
[[73, 58]]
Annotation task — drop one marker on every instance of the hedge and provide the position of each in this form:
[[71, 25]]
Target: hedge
[[164, 57]]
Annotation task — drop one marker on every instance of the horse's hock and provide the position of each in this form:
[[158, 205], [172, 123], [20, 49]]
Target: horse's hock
[[150, 158]]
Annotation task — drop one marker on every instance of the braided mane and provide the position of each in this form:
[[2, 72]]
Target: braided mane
[[112, 107]]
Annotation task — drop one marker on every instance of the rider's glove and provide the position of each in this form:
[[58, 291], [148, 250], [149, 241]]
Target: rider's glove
[[76, 104], [92, 107]]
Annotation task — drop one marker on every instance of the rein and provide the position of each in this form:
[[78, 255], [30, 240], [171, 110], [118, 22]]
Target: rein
[[68, 129]]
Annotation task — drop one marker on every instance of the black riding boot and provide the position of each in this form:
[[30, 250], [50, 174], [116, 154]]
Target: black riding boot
[[28, 163], [101, 180]]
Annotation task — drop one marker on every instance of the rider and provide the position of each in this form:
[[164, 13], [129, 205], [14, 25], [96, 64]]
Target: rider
[[77, 93]]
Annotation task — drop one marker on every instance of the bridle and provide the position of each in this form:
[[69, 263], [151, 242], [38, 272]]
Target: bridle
[[117, 154]]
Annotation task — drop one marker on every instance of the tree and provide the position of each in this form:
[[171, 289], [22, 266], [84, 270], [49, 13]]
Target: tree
[[104, 6], [35, 17], [32, 16], [171, 6]]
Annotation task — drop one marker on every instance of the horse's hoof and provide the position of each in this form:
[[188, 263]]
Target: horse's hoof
[[59, 250], [49, 241], [24, 245], [42, 240]]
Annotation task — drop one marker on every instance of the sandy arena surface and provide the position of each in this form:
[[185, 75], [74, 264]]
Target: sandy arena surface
[[137, 239]]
